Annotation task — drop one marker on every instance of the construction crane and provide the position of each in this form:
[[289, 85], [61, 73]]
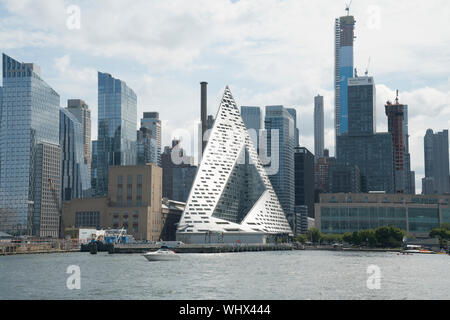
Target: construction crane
[[347, 7], [58, 207]]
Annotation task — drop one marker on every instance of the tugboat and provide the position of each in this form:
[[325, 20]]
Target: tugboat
[[163, 254]]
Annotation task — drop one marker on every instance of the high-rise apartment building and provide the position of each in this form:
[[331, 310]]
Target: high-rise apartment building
[[398, 126], [75, 178], [117, 124], [152, 122], [81, 111], [29, 151], [319, 127], [279, 122], [436, 148], [344, 38]]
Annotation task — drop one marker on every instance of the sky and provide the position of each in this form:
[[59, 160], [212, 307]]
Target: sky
[[270, 52]]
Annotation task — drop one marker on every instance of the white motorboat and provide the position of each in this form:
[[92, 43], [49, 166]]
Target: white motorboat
[[162, 254]]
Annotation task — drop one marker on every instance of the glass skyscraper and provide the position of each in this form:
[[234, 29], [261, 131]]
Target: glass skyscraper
[[436, 152], [371, 152], [293, 114], [278, 119], [252, 120], [117, 123], [152, 122], [81, 111], [29, 136], [75, 178], [344, 38]]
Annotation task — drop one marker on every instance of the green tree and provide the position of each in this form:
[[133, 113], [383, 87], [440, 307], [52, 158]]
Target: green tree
[[314, 235], [443, 235], [368, 237], [356, 240], [389, 237], [347, 237], [301, 238]]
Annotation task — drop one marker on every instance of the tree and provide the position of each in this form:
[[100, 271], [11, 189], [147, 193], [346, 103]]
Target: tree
[[314, 235], [368, 237], [443, 235], [301, 238], [389, 237], [347, 237]]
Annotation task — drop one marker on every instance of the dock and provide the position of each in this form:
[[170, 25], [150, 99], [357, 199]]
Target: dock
[[199, 248]]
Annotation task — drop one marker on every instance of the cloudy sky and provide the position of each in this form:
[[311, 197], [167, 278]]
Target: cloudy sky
[[267, 51]]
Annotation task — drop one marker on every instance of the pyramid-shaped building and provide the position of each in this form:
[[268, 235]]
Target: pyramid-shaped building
[[232, 199]]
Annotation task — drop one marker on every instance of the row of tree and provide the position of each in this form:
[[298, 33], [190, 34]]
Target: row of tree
[[384, 237]]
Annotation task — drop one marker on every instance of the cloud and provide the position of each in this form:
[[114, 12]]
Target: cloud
[[269, 51]]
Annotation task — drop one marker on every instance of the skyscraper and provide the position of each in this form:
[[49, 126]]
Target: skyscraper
[[371, 152], [304, 179], [152, 122], [81, 111], [436, 163], [252, 119], [177, 177], [146, 147], [344, 38], [397, 125], [278, 121], [410, 176], [361, 112], [319, 127], [293, 114], [75, 178], [29, 151], [117, 124]]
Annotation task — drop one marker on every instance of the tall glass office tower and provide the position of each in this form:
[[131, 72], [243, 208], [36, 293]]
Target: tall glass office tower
[[436, 153], [81, 111], [75, 178], [252, 120], [29, 152], [293, 114], [117, 124], [278, 119], [152, 122], [344, 37]]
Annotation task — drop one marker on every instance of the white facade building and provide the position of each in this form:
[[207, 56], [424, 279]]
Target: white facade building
[[232, 199]]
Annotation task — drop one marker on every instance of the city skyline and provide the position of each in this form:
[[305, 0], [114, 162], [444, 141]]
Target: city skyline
[[423, 86]]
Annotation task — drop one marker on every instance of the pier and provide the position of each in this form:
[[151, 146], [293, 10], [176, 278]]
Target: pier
[[38, 247], [199, 248]]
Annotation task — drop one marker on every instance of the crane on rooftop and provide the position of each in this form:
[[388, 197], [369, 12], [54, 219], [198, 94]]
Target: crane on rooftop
[[347, 7], [367, 69]]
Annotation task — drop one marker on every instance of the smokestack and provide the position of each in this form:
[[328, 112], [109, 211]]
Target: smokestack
[[204, 111]]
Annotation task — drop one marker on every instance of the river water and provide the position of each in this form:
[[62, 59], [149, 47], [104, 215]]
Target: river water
[[291, 275]]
